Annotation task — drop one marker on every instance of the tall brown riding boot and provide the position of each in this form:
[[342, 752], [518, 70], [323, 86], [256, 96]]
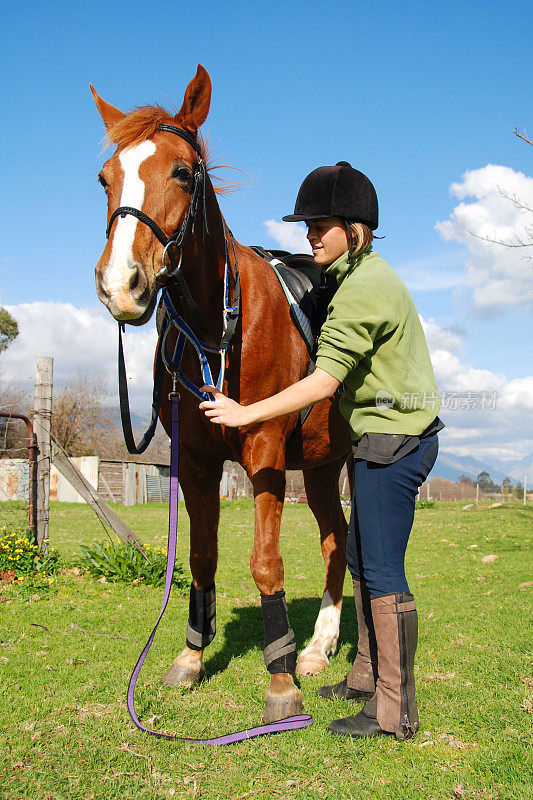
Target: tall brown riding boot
[[360, 682], [393, 709]]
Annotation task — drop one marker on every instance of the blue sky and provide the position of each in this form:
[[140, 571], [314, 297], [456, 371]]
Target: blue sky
[[413, 94]]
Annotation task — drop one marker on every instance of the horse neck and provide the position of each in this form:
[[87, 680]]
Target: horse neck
[[203, 264]]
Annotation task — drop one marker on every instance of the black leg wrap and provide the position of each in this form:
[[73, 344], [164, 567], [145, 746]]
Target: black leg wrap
[[202, 615], [280, 648]]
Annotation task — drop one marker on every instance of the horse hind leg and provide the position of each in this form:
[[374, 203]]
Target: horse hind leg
[[322, 488], [201, 491]]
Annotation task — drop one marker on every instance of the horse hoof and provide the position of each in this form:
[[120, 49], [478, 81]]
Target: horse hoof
[[311, 665], [183, 675], [281, 706]]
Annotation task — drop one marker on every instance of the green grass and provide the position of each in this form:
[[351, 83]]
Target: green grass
[[67, 652]]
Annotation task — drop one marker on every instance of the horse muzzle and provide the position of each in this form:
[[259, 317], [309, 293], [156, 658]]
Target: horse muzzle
[[126, 293]]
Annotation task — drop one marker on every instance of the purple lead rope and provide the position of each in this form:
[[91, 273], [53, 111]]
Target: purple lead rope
[[288, 724]]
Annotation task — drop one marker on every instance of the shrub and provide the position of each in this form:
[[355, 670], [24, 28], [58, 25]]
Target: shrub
[[424, 504], [120, 561], [20, 558]]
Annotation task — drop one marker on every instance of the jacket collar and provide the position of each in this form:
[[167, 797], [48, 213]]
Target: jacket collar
[[343, 266]]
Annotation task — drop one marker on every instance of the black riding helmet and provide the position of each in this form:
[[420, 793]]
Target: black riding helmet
[[339, 191]]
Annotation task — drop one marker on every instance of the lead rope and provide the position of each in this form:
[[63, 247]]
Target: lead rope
[[287, 724]]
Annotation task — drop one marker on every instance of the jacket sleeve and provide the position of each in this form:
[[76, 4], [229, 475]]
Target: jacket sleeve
[[358, 317]]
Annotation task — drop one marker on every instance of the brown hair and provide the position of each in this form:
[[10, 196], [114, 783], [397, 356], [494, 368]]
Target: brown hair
[[361, 237]]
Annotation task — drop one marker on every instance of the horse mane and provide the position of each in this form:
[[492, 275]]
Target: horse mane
[[141, 124]]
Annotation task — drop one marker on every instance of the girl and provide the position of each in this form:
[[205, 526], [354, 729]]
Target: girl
[[372, 342]]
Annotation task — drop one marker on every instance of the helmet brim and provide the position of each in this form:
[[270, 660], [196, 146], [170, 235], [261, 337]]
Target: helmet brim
[[303, 217]]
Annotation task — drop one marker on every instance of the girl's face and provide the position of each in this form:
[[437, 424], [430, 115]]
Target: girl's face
[[328, 238]]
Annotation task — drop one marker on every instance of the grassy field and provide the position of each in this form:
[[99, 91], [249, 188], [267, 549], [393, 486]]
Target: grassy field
[[67, 652]]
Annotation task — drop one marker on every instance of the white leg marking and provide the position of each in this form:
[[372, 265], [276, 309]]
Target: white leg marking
[[324, 641], [116, 275]]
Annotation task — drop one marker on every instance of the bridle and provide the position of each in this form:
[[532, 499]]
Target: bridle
[[202, 340], [197, 195], [173, 245]]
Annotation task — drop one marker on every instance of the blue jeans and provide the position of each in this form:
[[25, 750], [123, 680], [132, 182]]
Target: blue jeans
[[383, 508]]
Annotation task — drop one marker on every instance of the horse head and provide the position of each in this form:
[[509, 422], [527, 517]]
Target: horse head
[[151, 173]]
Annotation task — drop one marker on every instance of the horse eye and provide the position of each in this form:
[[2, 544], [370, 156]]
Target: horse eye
[[181, 174], [102, 181]]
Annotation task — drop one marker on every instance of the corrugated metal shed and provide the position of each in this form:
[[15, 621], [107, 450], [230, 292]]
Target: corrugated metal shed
[[129, 483], [14, 479], [64, 493]]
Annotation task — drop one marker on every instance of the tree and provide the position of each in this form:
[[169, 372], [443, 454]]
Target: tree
[[519, 490], [465, 479], [507, 486], [80, 421], [9, 329], [486, 484]]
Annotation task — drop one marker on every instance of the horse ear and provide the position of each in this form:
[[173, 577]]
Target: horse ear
[[196, 102], [109, 113]]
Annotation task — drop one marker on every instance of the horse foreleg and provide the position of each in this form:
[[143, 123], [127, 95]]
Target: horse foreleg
[[282, 698], [201, 487], [322, 488]]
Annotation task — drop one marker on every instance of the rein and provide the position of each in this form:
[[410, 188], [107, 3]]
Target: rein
[[172, 362]]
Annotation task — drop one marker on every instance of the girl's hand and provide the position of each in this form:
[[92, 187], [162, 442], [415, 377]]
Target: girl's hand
[[223, 410]]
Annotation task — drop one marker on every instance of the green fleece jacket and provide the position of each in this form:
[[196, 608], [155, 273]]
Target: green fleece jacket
[[372, 340]]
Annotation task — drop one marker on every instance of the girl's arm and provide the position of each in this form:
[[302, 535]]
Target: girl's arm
[[224, 411]]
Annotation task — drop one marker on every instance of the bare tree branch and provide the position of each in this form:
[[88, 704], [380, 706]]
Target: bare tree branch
[[523, 135], [502, 242], [514, 199]]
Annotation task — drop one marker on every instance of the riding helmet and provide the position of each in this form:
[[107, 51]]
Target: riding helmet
[[339, 191]]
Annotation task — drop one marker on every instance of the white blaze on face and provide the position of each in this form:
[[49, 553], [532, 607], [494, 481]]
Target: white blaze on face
[[116, 275]]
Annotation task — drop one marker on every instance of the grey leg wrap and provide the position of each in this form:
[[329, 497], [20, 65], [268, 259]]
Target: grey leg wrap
[[202, 617], [280, 648]]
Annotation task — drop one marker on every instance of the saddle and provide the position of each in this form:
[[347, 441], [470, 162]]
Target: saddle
[[307, 288]]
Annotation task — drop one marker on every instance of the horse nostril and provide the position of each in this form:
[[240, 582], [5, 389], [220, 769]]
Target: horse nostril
[[133, 280], [137, 282], [100, 291]]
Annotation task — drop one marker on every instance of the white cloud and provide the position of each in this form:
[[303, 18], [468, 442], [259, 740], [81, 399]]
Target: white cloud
[[454, 376], [79, 340], [289, 236], [518, 394], [439, 338], [496, 427], [499, 276]]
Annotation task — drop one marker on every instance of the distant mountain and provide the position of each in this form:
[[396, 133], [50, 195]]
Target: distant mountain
[[450, 466]]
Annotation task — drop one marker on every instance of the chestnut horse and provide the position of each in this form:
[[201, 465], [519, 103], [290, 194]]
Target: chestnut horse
[[152, 172]]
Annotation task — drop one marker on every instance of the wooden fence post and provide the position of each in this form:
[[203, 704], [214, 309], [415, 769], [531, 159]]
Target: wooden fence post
[[41, 426]]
